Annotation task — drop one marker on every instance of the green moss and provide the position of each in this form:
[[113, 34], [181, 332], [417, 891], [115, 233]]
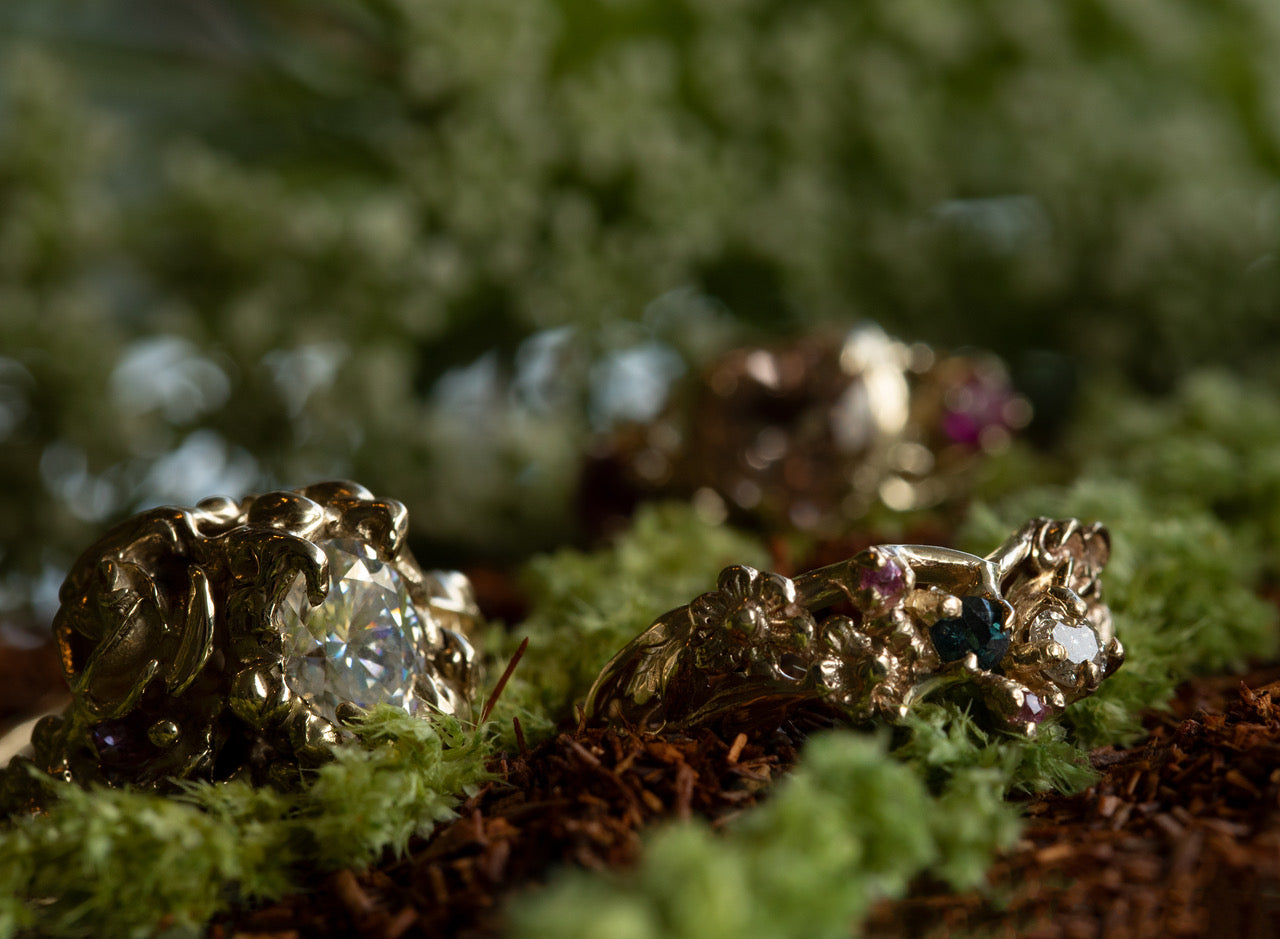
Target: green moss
[[106, 862], [1213, 445], [409, 777], [587, 606], [117, 863], [942, 738]]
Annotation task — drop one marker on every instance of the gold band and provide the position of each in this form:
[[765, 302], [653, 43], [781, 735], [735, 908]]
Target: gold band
[[1026, 626]]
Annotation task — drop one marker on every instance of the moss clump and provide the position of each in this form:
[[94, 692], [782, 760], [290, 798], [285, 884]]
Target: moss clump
[[1212, 445], [106, 862], [588, 605]]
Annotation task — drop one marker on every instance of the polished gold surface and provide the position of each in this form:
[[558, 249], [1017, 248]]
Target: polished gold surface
[[909, 623], [170, 637]]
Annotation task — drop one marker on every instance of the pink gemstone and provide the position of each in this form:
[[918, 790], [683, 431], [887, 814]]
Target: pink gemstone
[[1032, 711], [886, 583], [962, 428], [981, 404]]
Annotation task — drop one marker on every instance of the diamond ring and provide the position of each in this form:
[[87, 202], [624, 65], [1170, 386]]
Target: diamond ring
[[232, 639], [1026, 627]]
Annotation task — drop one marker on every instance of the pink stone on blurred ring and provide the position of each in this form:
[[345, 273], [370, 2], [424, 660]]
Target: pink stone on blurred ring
[[885, 583]]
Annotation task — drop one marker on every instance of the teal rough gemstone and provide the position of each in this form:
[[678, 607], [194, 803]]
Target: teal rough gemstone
[[978, 629]]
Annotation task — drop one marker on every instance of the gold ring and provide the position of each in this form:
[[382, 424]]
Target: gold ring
[[1026, 627], [232, 639], [810, 434]]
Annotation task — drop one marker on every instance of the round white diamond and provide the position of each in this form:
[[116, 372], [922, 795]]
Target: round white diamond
[[1079, 639], [364, 644]]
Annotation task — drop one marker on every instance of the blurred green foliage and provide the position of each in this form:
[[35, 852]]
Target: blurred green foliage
[[424, 243], [253, 244]]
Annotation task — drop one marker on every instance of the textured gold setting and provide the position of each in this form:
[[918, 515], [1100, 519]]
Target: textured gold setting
[[751, 651], [169, 637]]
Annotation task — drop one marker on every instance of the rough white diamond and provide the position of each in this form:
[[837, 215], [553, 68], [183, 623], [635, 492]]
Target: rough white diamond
[[363, 644], [1079, 639]]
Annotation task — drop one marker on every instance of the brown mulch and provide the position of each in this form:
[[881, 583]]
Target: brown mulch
[[1180, 837], [582, 799]]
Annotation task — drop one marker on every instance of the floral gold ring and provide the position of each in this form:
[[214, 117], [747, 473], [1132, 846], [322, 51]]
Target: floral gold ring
[[1025, 627]]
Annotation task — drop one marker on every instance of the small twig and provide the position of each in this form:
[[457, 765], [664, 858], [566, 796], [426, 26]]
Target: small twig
[[524, 747], [583, 753], [686, 776], [401, 924], [502, 682], [351, 894]]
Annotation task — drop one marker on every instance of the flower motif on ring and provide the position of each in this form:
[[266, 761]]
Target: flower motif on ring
[[754, 623]]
